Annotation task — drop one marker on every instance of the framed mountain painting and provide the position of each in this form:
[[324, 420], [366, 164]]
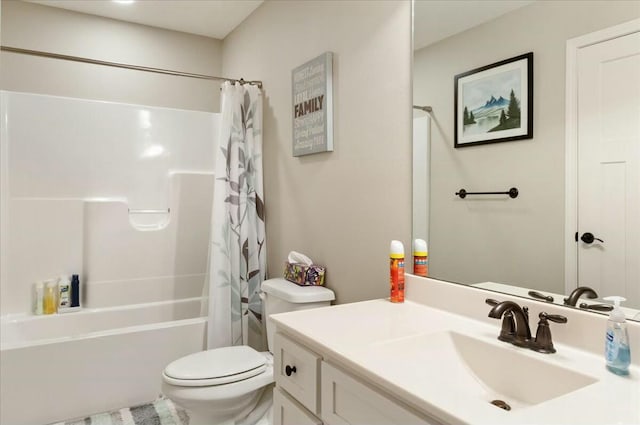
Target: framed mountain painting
[[494, 103]]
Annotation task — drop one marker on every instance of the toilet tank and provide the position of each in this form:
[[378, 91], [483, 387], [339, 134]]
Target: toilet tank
[[281, 296]]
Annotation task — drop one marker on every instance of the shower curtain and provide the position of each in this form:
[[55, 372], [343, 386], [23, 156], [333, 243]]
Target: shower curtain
[[237, 255]]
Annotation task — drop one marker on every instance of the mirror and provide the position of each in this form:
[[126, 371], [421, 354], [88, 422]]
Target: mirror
[[496, 242]]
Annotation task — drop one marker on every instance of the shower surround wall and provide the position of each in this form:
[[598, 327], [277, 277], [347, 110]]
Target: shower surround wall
[[72, 170], [78, 34]]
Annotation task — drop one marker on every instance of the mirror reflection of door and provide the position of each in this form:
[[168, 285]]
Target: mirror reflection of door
[[608, 118]]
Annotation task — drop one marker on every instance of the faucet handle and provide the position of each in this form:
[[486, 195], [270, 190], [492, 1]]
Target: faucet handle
[[538, 295], [492, 302], [597, 307], [543, 342], [557, 318]]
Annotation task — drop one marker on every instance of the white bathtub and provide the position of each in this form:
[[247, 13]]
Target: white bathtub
[[70, 365]]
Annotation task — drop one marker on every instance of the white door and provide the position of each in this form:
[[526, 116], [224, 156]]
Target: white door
[[609, 167]]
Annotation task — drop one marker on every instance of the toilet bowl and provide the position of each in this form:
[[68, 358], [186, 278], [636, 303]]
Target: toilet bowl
[[219, 386], [233, 385]]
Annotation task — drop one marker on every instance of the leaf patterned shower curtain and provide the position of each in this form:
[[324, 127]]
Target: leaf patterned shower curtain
[[237, 256]]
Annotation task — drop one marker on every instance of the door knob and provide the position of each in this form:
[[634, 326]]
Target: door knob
[[588, 238]]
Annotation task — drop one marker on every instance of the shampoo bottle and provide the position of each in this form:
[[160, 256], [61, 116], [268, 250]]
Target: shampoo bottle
[[420, 258], [50, 302], [396, 255], [75, 291], [617, 353], [38, 298], [64, 293]]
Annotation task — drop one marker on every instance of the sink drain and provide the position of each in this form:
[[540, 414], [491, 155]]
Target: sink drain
[[501, 404]]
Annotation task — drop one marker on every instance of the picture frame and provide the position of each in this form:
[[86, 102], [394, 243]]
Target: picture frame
[[312, 106], [494, 103]]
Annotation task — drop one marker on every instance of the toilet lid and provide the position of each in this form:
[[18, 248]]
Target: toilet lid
[[216, 367]]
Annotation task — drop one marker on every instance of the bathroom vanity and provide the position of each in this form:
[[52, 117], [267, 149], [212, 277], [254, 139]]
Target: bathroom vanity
[[315, 388], [436, 359]]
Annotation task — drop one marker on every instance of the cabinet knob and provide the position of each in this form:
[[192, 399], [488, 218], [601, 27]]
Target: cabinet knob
[[289, 370]]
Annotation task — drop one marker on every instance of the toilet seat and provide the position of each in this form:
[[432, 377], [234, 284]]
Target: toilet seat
[[219, 366]]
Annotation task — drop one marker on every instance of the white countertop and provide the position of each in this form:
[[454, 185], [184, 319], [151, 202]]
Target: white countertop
[[362, 337]]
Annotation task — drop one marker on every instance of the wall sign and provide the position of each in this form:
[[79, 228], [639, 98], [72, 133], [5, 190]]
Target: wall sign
[[312, 85]]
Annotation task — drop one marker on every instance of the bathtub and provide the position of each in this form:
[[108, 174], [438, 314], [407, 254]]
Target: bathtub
[[70, 365]]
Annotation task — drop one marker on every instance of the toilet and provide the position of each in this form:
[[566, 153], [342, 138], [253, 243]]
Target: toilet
[[233, 385]]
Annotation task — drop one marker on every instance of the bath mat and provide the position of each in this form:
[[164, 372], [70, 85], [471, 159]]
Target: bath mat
[[160, 412]]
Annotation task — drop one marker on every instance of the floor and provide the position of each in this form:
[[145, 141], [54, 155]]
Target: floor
[[160, 412]]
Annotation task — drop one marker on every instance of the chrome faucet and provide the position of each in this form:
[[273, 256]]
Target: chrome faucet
[[521, 315], [575, 295]]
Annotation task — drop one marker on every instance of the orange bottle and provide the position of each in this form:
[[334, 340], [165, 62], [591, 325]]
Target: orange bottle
[[396, 255], [420, 258]]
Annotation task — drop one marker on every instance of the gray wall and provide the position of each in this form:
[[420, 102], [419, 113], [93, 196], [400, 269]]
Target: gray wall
[[37, 27], [511, 241], [341, 208]]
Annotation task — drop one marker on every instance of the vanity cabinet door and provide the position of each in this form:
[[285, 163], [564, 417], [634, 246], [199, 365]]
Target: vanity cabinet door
[[287, 411], [296, 370], [346, 401]]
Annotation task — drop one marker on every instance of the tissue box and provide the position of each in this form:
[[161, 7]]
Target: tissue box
[[304, 275]]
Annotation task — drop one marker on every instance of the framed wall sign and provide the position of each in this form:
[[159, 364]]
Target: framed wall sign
[[312, 85], [494, 103]]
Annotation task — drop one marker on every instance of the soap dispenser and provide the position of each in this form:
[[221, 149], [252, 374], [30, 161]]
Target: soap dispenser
[[617, 353]]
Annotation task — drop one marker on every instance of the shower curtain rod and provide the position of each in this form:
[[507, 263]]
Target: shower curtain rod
[[124, 65], [423, 108]]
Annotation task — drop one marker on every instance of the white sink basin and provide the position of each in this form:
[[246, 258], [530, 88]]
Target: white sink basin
[[470, 367]]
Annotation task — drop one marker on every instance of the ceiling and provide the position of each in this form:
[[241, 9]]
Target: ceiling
[[434, 19], [211, 18], [438, 19]]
